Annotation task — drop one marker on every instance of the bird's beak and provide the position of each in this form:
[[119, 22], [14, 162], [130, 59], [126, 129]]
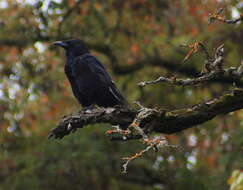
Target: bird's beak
[[60, 43]]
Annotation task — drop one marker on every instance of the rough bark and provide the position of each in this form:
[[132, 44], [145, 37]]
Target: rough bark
[[152, 120]]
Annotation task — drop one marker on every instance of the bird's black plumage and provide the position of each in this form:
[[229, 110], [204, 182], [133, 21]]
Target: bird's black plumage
[[90, 82]]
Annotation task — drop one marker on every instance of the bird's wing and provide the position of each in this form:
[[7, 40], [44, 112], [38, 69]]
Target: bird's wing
[[99, 69], [98, 73]]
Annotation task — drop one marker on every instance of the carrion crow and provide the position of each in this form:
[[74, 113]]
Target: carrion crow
[[90, 82]]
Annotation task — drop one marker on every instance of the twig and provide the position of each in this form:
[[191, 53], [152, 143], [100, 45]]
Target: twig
[[217, 64], [143, 114], [217, 16], [196, 47], [152, 144]]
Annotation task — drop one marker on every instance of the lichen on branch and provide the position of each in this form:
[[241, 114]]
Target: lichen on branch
[[162, 121]]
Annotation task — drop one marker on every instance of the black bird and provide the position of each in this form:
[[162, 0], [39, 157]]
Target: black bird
[[91, 84]]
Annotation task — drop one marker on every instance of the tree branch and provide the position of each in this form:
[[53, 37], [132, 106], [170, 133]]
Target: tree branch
[[167, 122], [231, 74], [212, 72]]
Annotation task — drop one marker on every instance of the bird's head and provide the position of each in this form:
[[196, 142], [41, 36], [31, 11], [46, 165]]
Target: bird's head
[[74, 47]]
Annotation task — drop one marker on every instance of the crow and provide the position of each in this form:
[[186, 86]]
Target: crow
[[90, 82]]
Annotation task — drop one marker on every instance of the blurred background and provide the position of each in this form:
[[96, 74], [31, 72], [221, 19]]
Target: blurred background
[[136, 40]]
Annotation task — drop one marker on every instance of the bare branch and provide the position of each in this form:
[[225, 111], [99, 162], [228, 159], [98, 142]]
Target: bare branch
[[151, 144], [213, 67], [217, 16], [196, 47], [232, 73]]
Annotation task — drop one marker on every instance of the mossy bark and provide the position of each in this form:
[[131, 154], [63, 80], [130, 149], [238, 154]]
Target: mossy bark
[[166, 122]]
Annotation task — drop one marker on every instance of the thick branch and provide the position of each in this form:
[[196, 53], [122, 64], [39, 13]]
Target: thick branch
[[166, 122]]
